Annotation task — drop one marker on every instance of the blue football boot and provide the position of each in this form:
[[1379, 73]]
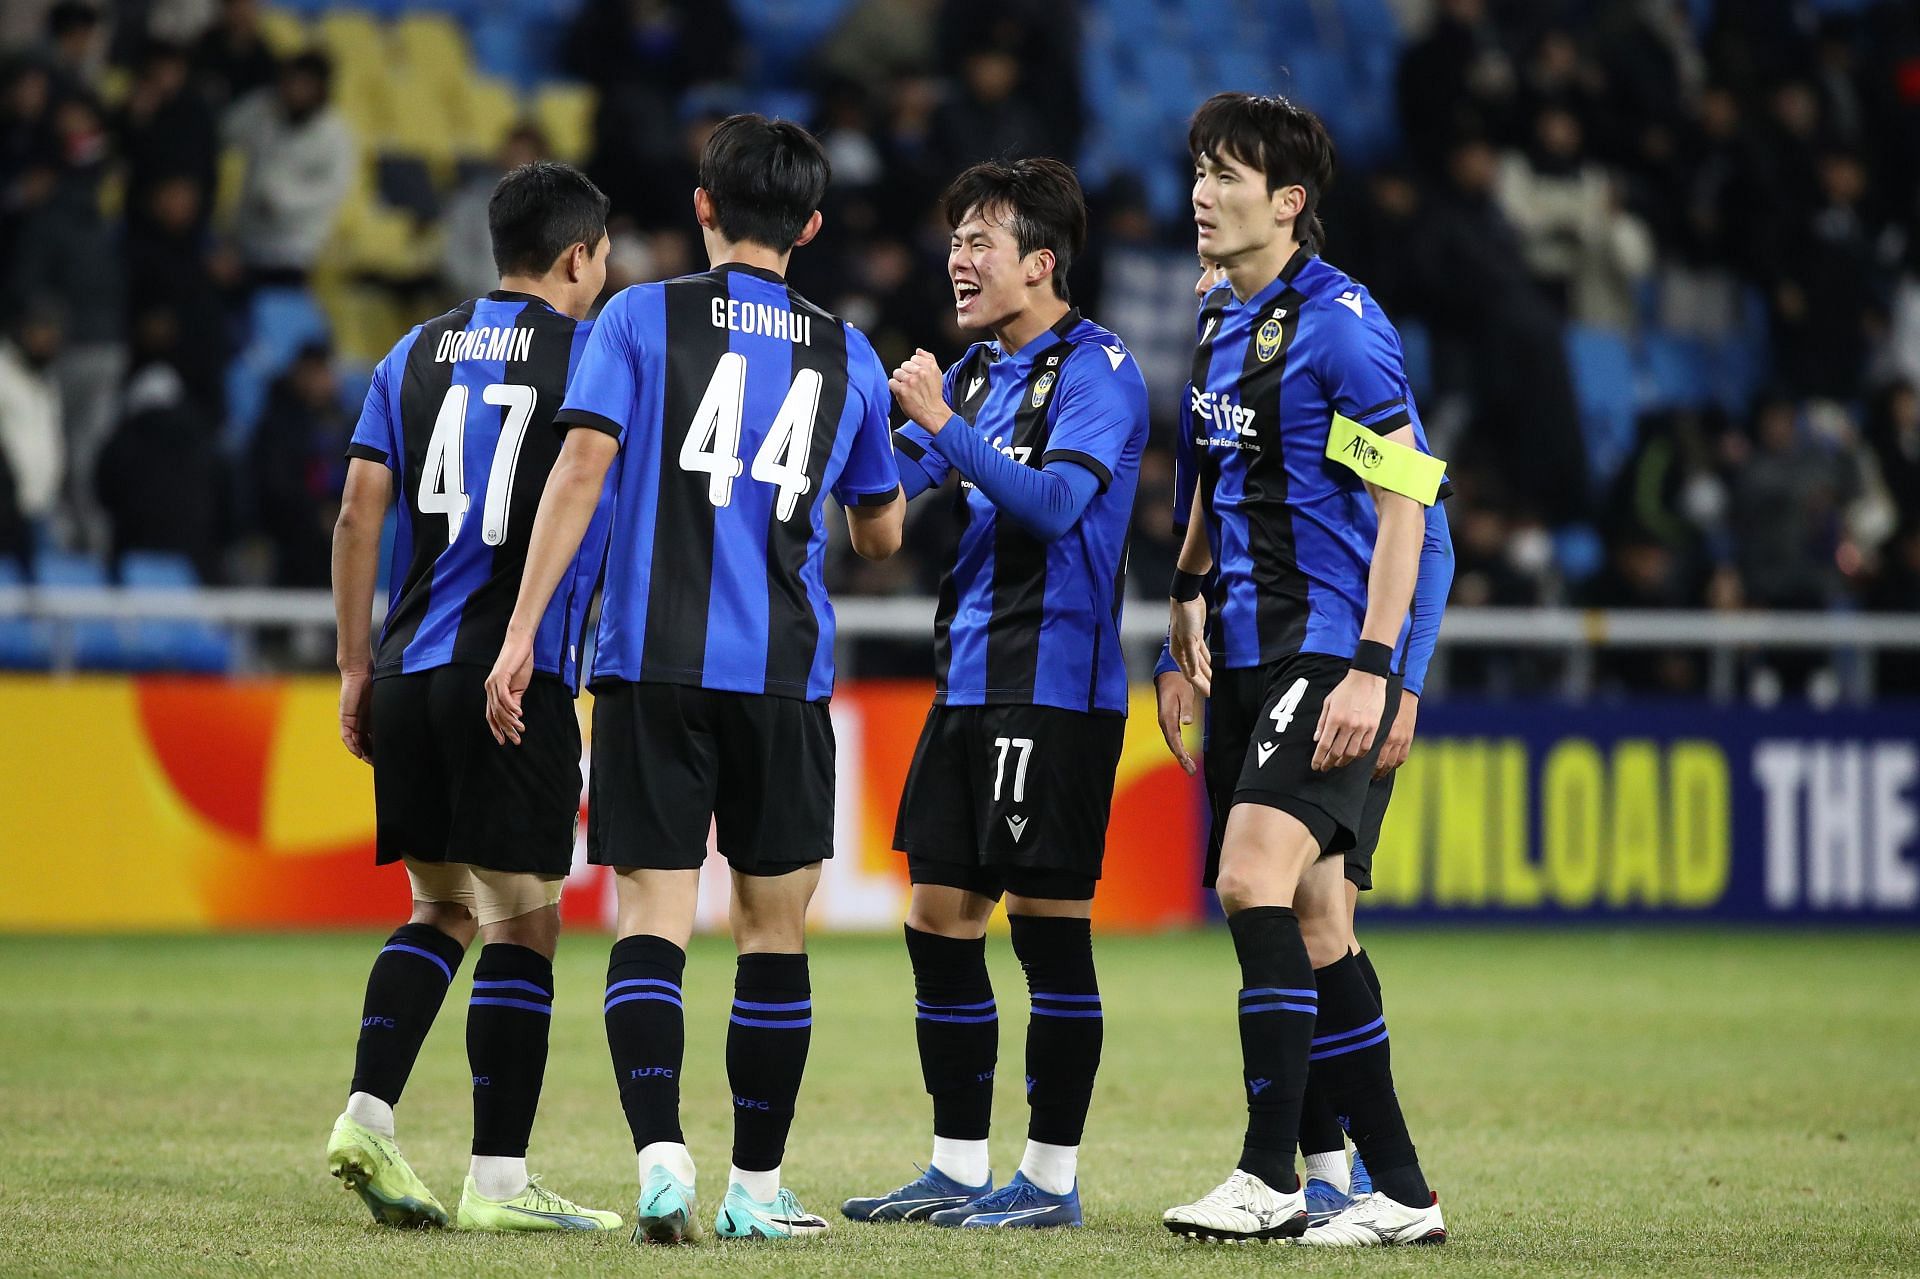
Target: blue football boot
[[919, 1199], [1324, 1201], [1018, 1204]]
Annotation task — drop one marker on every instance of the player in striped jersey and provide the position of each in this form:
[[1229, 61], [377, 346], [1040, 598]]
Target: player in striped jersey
[[459, 417], [733, 408], [1013, 777], [1312, 476]]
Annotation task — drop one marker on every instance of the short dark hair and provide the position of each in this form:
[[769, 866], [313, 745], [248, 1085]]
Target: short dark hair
[[539, 211], [1283, 140], [1042, 202], [310, 62], [765, 178]]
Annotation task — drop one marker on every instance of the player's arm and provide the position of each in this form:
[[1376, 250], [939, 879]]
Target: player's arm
[[1046, 502], [356, 570], [1423, 633], [567, 505], [869, 488], [876, 531]]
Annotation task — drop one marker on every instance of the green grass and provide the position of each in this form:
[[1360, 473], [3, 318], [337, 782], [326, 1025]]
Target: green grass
[[1586, 1102]]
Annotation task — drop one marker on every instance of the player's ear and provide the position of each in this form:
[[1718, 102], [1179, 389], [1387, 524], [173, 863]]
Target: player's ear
[[703, 208], [1287, 203], [811, 229], [1040, 264]]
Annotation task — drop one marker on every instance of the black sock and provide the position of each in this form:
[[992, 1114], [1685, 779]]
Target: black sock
[[1373, 978], [507, 1023], [767, 1039], [1277, 1001], [1066, 1029], [1321, 1132], [404, 992], [647, 1034], [1352, 1058], [958, 1030]]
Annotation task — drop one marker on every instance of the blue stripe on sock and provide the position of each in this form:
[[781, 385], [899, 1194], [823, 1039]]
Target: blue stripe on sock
[[487, 1002], [401, 946], [1069, 999], [770, 1025], [958, 1018], [643, 983], [1350, 1048], [965, 1008], [662, 996], [1251, 991], [514, 985], [1278, 1007], [1371, 1026], [797, 1005], [1038, 1011]]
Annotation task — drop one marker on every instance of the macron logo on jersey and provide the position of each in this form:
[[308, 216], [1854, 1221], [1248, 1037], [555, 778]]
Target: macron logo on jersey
[[1115, 356], [973, 387], [1351, 300]]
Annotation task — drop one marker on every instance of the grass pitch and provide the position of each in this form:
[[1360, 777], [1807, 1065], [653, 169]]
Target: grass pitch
[[1586, 1102]]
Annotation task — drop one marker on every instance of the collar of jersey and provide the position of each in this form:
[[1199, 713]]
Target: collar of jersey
[[1281, 283], [514, 295], [1044, 342], [757, 272]]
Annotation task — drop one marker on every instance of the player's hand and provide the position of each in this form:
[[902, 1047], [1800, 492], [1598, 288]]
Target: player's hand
[[1349, 719], [356, 713], [918, 390], [506, 685], [1393, 752], [1187, 641], [1176, 711]]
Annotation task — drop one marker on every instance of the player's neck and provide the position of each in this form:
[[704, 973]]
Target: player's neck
[[554, 293], [1252, 272], [1024, 326], [720, 253]]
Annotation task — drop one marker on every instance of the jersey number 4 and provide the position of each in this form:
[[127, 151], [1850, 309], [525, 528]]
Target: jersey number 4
[[712, 444], [443, 482]]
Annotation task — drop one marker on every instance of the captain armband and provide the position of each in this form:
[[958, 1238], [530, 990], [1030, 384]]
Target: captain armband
[[1382, 462]]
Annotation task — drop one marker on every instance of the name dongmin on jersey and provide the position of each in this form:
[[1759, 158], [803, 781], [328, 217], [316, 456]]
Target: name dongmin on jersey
[[759, 317], [489, 342]]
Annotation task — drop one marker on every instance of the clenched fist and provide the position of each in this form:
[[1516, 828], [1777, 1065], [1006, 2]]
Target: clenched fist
[[917, 389]]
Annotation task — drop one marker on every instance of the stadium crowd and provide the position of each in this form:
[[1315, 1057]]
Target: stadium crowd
[[1657, 261]]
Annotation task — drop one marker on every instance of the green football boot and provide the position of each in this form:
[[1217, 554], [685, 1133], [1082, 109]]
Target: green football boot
[[742, 1217], [664, 1212], [535, 1208], [372, 1167]]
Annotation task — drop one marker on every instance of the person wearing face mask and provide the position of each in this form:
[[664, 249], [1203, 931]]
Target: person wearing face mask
[[1044, 420]]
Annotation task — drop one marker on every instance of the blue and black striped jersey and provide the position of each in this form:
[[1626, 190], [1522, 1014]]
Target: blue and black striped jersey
[[462, 411], [1021, 620], [738, 406], [1291, 533]]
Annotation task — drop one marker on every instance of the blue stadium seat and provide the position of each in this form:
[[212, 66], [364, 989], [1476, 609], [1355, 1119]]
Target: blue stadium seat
[[170, 645], [1416, 349], [24, 645], [784, 33], [1603, 383], [1579, 552], [1676, 370], [281, 321], [94, 644]]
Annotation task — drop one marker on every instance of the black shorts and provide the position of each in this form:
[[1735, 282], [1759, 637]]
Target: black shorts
[[1360, 856], [444, 790], [1259, 750], [671, 762], [1006, 788]]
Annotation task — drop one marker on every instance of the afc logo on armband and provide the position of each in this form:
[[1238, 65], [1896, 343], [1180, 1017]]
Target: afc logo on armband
[[1364, 453]]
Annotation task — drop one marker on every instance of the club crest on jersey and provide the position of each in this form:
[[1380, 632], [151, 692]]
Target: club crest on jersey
[[1041, 388], [1266, 343]]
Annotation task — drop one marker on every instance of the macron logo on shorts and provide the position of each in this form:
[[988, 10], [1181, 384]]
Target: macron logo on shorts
[[1018, 825], [1265, 751]]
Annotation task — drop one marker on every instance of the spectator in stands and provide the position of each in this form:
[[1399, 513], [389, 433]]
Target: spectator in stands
[[68, 248], [466, 265], [175, 283], [987, 116], [76, 46], [300, 161], [166, 129], [1584, 249], [1786, 500], [296, 467], [31, 439], [29, 154], [232, 59], [164, 449], [1828, 303], [1893, 433], [1044, 37], [878, 40], [1457, 82]]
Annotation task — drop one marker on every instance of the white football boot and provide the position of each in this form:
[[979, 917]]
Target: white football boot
[[1241, 1209], [1375, 1221]]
